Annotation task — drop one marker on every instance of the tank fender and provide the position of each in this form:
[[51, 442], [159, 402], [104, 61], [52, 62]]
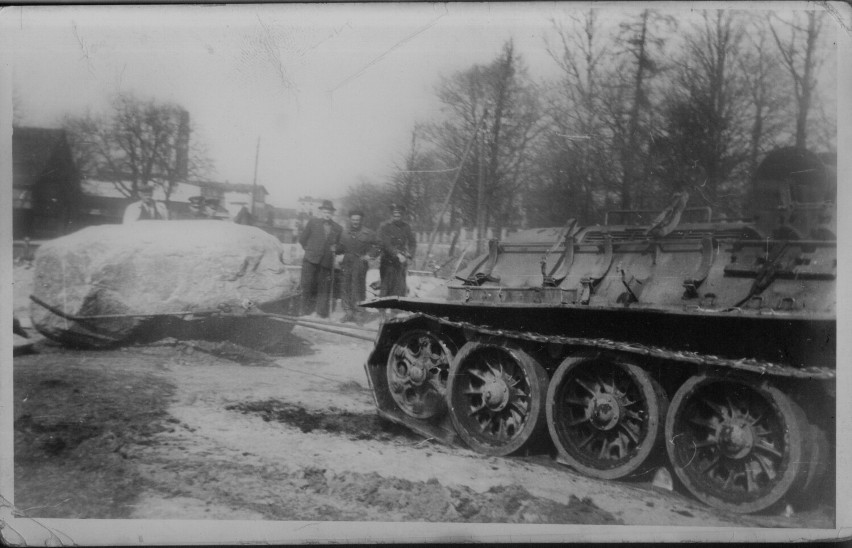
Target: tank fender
[[591, 281], [709, 249]]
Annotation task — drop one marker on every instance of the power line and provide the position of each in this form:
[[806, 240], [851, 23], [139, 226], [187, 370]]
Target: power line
[[383, 55], [429, 170]]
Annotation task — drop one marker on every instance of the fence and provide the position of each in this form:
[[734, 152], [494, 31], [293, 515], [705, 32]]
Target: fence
[[465, 235]]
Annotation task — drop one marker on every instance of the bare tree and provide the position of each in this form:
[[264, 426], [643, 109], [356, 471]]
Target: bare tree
[[464, 108], [420, 182], [576, 164], [139, 142], [496, 107], [797, 40], [823, 132], [636, 116], [371, 198], [644, 43], [706, 135], [762, 74]]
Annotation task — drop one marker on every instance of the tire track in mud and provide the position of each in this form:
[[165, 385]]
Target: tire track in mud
[[466, 505], [359, 426], [316, 494], [282, 492]]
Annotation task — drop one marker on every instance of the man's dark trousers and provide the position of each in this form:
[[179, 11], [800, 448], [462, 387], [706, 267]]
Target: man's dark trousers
[[316, 280], [354, 282]]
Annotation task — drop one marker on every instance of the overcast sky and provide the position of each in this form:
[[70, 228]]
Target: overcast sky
[[332, 91]]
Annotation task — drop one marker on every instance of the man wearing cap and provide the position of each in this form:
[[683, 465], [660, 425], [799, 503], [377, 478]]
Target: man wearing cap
[[319, 239], [146, 208], [398, 246], [356, 245], [198, 208]]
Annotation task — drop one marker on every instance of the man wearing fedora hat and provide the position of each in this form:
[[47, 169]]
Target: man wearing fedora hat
[[398, 246], [146, 209], [319, 239]]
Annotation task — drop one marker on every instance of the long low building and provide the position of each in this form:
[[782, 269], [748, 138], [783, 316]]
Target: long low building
[[50, 197], [45, 183]]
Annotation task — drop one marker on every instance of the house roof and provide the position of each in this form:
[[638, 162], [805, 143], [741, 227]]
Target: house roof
[[285, 212], [104, 189], [181, 192], [231, 187], [33, 151]]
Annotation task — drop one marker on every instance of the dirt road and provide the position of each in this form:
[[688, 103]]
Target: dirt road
[[189, 434], [191, 430]]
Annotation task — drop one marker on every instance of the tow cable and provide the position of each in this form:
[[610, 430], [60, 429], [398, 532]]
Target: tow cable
[[249, 311]]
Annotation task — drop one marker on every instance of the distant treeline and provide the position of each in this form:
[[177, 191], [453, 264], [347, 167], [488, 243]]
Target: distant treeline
[[640, 109]]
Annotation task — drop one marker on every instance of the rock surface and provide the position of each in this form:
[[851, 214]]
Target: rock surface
[[153, 267]]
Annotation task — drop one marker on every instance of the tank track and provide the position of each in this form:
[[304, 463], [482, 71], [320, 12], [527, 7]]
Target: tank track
[[692, 358], [735, 441]]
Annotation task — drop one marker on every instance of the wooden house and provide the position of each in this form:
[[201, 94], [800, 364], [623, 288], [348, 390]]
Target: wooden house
[[45, 184]]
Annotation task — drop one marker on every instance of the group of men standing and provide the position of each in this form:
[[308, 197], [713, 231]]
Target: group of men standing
[[323, 239]]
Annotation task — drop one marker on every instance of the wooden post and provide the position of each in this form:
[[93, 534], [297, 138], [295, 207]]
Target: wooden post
[[453, 186], [254, 182], [480, 202]]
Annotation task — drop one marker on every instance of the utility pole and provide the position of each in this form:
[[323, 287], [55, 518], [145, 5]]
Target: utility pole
[[480, 199], [467, 150], [254, 182]]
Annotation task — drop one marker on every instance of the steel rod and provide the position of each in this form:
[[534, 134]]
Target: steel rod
[[326, 329]]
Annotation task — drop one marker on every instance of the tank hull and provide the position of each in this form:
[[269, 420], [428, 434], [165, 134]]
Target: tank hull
[[801, 342], [705, 346]]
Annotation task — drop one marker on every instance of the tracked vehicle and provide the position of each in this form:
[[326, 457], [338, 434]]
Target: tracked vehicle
[[673, 338]]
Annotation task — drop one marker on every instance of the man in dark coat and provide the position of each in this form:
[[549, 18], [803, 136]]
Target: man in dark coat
[[356, 245], [319, 239], [398, 246]]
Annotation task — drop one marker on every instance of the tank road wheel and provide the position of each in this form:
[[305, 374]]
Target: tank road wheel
[[496, 397], [736, 445], [418, 365], [605, 417]]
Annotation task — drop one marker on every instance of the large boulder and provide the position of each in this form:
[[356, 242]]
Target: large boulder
[[151, 268]]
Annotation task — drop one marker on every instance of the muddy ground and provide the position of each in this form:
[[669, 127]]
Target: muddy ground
[[196, 430]]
